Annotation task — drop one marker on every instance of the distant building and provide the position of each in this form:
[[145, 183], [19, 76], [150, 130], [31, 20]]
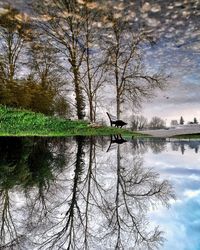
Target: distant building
[[174, 122]]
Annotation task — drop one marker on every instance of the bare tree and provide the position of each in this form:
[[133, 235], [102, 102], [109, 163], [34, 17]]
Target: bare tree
[[63, 24], [157, 123], [14, 31], [138, 122], [132, 83], [94, 67], [73, 28]]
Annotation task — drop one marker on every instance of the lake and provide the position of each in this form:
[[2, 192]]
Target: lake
[[99, 193]]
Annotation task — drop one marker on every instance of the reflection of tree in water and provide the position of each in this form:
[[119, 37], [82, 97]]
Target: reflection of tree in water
[[136, 190], [9, 237], [104, 206], [76, 196], [74, 230], [11, 172], [183, 145], [174, 146], [79, 198], [141, 146], [157, 146], [26, 163], [66, 224], [45, 163]]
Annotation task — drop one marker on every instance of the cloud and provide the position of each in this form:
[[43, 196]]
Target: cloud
[[182, 171], [192, 193]]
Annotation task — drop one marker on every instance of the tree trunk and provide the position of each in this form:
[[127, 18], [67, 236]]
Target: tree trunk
[[118, 105], [80, 106], [79, 99], [91, 110]]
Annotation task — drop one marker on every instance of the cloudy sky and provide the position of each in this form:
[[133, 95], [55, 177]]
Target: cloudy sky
[[182, 97], [175, 28], [176, 25]]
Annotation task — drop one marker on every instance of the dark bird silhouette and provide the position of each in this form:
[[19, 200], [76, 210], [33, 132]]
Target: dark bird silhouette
[[119, 123], [114, 121], [116, 139]]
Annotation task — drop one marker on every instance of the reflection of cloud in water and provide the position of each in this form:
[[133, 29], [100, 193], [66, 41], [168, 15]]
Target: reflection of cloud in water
[[181, 223], [182, 171], [192, 193]]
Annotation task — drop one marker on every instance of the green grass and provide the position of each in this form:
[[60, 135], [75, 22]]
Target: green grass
[[17, 122]]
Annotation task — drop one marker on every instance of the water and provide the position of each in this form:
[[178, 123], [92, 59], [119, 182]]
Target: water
[[99, 193]]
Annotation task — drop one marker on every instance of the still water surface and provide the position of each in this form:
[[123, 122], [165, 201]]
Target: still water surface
[[99, 193]]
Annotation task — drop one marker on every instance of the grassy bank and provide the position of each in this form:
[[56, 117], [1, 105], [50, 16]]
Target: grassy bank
[[187, 136], [15, 122]]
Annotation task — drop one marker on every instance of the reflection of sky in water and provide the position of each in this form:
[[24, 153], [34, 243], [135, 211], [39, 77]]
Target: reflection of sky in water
[[97, 190], [181, 222]]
